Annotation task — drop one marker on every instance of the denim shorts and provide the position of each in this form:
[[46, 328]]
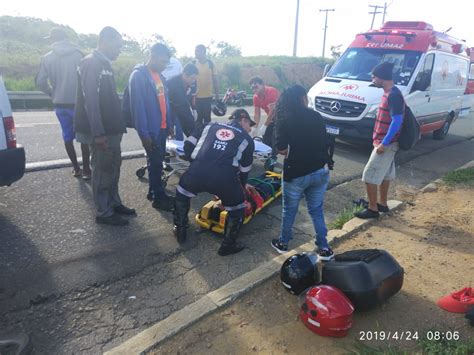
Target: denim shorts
[[381, 167]]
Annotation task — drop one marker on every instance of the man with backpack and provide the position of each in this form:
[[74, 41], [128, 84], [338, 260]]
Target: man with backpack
[[380, 168], [206, 83]]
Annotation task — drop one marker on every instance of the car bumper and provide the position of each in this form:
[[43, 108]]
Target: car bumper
[[12, 165], [360, 130]]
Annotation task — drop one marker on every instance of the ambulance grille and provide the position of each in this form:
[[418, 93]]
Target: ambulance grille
[[339, 108]]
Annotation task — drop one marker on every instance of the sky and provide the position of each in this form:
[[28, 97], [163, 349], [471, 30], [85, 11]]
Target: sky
[[258, 27]]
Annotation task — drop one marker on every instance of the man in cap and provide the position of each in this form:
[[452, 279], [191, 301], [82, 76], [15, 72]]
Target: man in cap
[[380, 168], [222, 157], [57, 78]]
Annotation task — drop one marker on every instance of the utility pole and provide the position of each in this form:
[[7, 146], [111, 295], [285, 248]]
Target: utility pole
[[375, 12], [325, 26], [384, 12], [295, 42]]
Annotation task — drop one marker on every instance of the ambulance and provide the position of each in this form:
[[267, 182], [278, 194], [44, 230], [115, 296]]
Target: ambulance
[[430, 69]]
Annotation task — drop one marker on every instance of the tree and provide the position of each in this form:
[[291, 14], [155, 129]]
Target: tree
[[336, 51], [157, 38], [223, 49]]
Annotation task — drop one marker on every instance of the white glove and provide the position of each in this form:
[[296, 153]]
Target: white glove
[[262, 130]]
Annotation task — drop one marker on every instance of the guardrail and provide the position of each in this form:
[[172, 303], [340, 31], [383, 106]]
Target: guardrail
[[37, 100]]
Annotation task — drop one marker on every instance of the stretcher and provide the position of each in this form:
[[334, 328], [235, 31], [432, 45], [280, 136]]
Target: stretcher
[[175, 163], [213, 216]]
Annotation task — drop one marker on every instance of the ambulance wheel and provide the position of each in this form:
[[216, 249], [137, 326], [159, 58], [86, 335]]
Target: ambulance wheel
[[141, 172], [441, 133]]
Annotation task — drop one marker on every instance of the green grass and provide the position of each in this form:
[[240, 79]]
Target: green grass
[[462, 176], [345, 216], [451, 347], [23, 84]]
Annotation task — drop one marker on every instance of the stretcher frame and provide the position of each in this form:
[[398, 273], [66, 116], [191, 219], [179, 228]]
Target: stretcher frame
[[203, 220], [175, 163]]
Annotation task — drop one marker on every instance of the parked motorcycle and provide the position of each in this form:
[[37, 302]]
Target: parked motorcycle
[[233, 97]]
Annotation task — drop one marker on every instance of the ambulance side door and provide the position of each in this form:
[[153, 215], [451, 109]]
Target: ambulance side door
[[420, 94]]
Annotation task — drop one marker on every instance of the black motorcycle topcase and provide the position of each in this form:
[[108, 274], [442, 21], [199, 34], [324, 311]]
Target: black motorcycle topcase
[[368, 277]]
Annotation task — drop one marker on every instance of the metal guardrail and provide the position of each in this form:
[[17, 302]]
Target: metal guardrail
[[37, 100]]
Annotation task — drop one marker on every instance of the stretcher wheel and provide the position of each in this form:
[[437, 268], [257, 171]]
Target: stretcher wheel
[[141, 172]]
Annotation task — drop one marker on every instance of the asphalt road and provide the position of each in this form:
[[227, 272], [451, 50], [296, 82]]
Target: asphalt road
[[76, 286]]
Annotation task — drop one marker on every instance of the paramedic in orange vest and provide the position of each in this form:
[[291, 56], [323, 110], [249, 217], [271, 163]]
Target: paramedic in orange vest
[[380, 168]]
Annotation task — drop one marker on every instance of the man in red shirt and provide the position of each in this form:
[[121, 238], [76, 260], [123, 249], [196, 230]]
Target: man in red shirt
[[264, 98]]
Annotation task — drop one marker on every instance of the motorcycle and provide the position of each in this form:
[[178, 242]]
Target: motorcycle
[[233, 97]]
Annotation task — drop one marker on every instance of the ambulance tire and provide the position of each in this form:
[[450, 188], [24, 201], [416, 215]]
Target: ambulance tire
[[441, 133]]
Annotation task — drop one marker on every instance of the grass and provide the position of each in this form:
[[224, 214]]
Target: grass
[[462, 176], [345, 216]]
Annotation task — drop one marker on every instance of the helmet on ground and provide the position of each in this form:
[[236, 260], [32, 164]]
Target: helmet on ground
[[327, 311], [219, 108], [299, 272]]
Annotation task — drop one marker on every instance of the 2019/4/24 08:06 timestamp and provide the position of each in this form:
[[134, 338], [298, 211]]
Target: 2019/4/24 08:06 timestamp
[[408, 335]]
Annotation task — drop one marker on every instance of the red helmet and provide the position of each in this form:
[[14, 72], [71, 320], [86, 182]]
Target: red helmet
[[327, 311]]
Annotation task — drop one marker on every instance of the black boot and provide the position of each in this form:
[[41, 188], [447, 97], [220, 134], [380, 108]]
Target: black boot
[[180, 217], [231, 232]]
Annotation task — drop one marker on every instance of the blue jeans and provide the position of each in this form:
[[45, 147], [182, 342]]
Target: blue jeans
[[313, 187], [155, 159]]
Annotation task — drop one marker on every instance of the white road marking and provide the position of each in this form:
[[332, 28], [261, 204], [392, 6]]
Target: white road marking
[[31, 125]]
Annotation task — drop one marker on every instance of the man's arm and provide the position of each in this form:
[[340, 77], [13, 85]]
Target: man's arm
[[282, 139], [190, 143], [137, 104], [245, 163], [90, 77], [41, 79]]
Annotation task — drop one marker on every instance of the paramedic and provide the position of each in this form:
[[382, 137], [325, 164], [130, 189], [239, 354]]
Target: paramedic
[[222, 156]]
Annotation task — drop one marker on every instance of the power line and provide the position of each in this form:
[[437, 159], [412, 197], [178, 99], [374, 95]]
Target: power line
[[325, 26]]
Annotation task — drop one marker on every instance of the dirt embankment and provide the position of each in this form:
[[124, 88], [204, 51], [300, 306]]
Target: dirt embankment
[[432, 240]]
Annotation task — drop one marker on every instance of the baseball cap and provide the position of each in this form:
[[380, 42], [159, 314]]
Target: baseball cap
[[459, 301], [241, 113], [57, 34]]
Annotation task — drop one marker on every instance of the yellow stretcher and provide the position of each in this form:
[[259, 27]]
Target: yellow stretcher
[[205, 220]]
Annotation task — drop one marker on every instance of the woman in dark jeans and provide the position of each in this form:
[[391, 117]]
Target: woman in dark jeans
[[300, 135]]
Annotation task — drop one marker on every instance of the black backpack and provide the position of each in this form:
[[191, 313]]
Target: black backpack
[[410, 133]]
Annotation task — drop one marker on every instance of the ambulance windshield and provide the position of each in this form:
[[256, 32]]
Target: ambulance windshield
[[357, 64]]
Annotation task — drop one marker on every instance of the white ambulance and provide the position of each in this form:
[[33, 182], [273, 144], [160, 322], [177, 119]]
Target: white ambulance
[[12, 156], [430, 69]]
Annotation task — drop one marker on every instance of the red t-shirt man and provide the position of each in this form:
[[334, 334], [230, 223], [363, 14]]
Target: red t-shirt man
[[264, 98]]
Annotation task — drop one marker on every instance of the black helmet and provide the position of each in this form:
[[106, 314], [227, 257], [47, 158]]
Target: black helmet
[[299, 272], [219, 108]]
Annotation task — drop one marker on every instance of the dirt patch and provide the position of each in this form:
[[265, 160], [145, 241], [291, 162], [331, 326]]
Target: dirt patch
[[432, 240]]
